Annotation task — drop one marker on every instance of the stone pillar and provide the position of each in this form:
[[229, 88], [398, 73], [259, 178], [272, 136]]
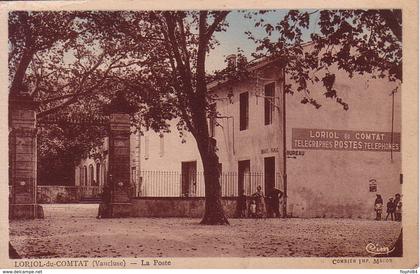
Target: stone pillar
[[119, 165], [119, 182], [22, 159]]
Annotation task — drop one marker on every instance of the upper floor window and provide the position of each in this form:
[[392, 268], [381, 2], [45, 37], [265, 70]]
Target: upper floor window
[[268, 103], [243, 111]]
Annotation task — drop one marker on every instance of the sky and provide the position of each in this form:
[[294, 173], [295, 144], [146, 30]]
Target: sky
[[235, 37]]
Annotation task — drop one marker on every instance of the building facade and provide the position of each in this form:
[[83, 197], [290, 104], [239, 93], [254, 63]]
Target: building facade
[[334, 161], [331, 162]]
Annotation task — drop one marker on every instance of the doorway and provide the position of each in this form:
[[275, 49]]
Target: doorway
[[244, 185], [189, 178], [269, 174]]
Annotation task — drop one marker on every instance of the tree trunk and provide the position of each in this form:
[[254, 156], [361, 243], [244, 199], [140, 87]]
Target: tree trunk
[[17, 83], [214, 213]]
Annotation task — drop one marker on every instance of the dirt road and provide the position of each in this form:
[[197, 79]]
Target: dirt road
[[73, 231]]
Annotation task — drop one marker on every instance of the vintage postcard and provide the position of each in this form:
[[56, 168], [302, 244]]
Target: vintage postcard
[[225, 135]]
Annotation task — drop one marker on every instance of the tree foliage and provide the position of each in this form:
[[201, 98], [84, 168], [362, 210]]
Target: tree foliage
[[31, 33], [72, 67], [60, 148], [355, 41]]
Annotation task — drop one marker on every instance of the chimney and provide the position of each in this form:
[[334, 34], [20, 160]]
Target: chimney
[[231, 60]]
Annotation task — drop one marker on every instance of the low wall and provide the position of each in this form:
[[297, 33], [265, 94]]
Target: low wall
[[192, 207], [57, 194]]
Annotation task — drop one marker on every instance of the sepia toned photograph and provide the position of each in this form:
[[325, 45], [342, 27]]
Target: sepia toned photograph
[[157, 134]]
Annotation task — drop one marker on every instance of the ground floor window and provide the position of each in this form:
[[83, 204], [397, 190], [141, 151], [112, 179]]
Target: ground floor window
[[85, 178], [81, 176], [91, 175], [98, 174]]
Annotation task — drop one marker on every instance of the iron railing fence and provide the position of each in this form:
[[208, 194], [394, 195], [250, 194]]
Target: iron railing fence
[[159, 184], [87, 192], [178, 184]]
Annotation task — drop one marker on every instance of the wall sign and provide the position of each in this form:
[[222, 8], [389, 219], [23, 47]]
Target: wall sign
[[350, 140], [294, 154], [269, 150], [289, 153]]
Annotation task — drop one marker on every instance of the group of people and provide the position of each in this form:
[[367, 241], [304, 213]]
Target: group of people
[[259, 205], [393, 208]]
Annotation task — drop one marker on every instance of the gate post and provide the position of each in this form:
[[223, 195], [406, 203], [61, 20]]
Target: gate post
[[119, 158], [23, 158]]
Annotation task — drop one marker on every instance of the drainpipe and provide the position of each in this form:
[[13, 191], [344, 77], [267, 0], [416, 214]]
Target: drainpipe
[[284, 146], [233, 135], [392, 121], [139, 179]]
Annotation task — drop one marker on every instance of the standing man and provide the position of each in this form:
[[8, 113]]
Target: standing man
[[276, 194], [390, 209], [242, 205]]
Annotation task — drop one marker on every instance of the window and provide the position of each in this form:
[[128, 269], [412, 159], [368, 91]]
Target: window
[[85, 175], [268, 103], [91, 176], [81, 176], [243, 111], [98, 174], [212, 120]]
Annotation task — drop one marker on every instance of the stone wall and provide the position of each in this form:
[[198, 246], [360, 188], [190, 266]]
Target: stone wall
[[192, 207], [57, 194]]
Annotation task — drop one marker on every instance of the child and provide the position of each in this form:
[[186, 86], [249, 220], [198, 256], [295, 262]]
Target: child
[[259, 202], [253, 209], [378, 207], [390, 209]]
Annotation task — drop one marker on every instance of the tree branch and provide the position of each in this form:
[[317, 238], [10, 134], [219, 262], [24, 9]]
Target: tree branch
[[77, 95], [393, 19], [186, 78], [217, 20], [183, 39]]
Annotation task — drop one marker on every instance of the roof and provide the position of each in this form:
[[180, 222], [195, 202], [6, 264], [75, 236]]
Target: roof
[[253, 65]]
